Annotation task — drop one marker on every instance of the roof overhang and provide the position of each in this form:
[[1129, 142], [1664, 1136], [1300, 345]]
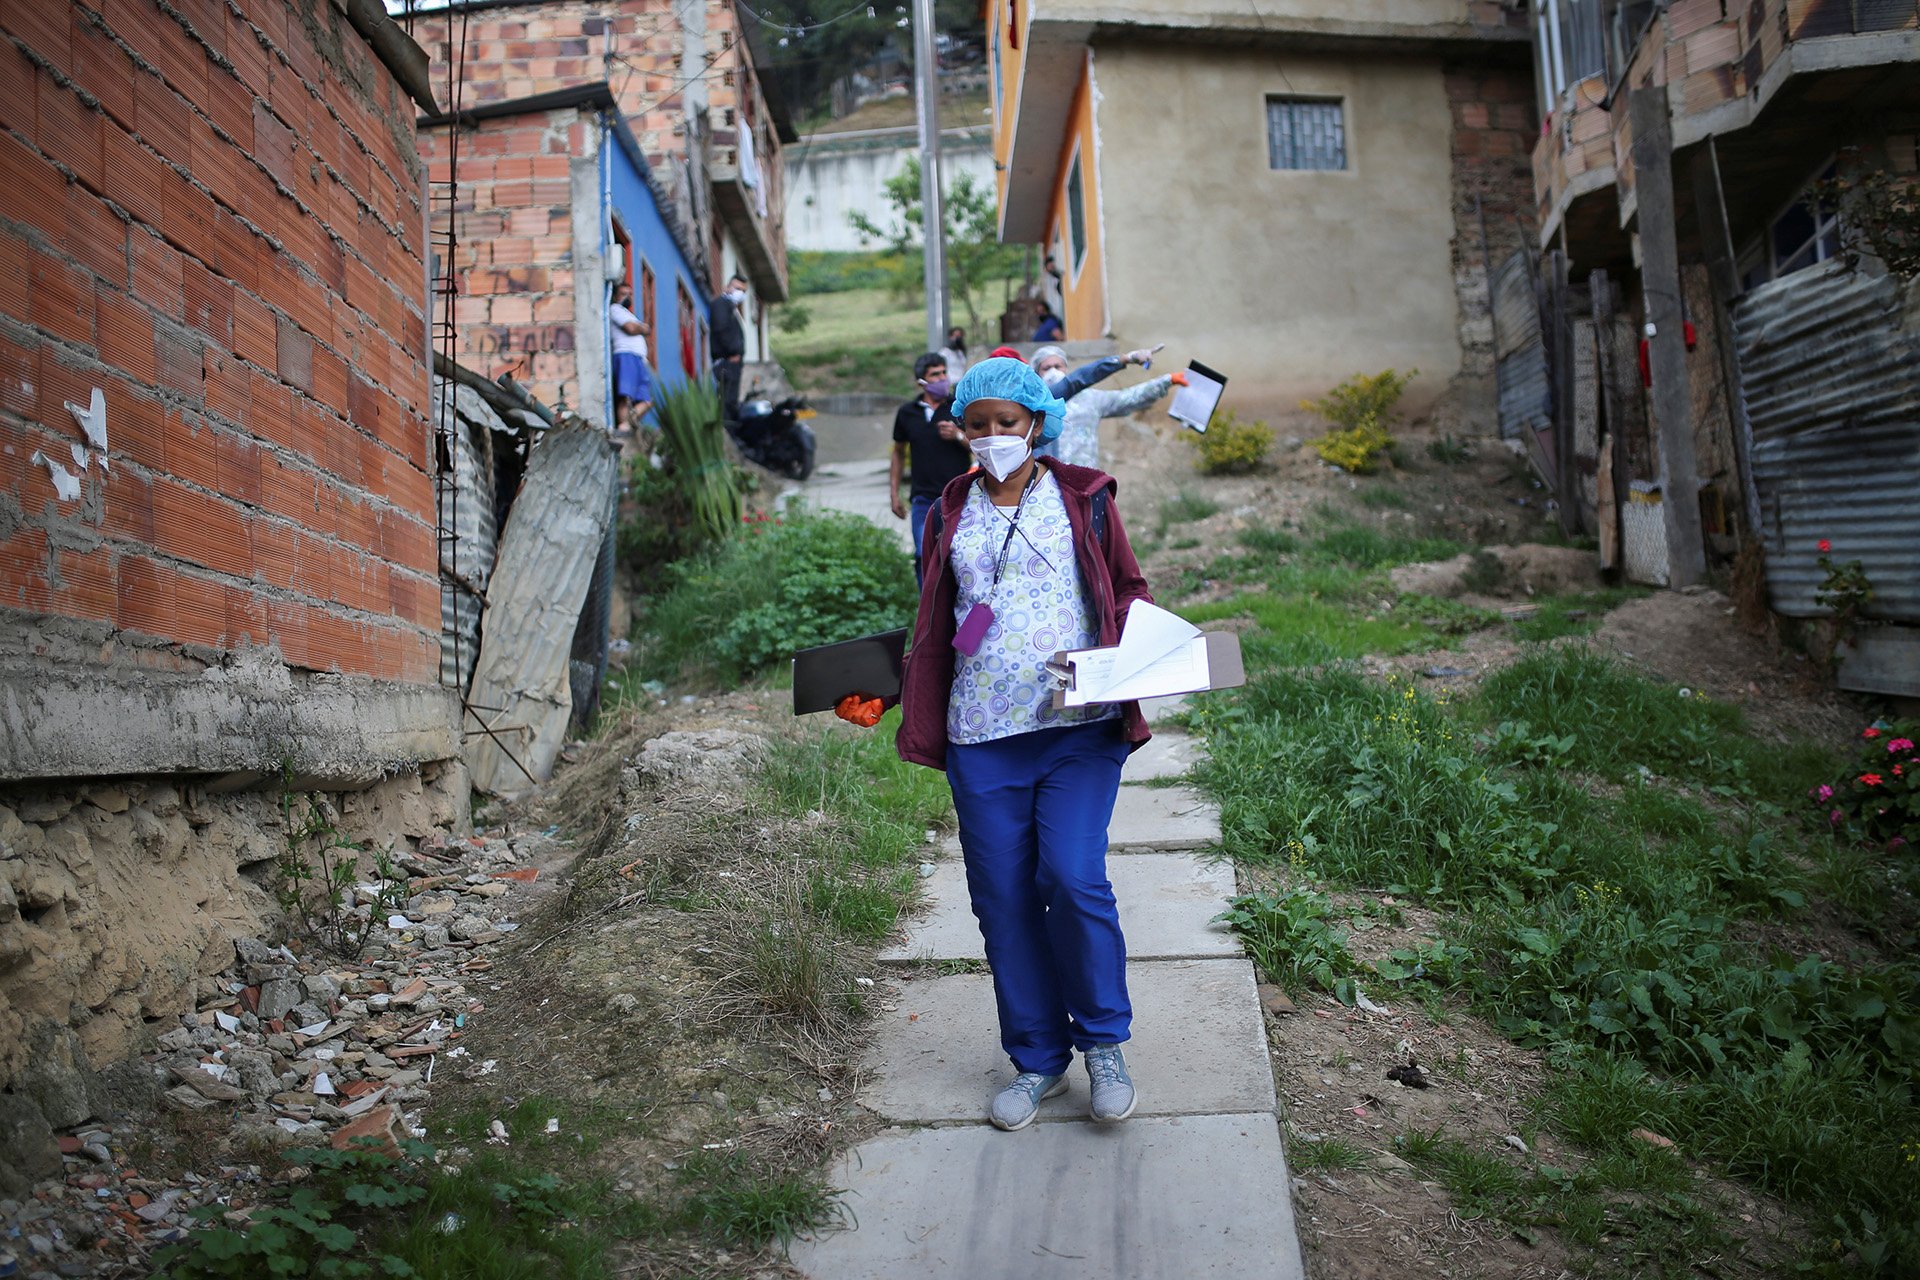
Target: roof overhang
[[1049, 78]]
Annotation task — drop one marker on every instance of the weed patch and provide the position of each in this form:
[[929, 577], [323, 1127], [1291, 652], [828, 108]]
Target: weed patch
[[1184, 507], [777, 586], [1598, 836]]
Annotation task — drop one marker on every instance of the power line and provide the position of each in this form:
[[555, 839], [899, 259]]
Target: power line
[[801, 29]]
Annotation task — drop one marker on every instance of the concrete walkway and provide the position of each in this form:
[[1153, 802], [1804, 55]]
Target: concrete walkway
[[1195, 1184]]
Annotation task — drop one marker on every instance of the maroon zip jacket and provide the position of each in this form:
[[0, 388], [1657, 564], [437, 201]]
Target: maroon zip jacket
[[1110, 572]]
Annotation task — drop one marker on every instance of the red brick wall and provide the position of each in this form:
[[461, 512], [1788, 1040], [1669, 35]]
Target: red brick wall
[[518, 51], [514, 248], [213, 214], [1494, 123]]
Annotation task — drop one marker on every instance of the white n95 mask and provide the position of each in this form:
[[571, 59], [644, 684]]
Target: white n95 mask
[[1001, 455]]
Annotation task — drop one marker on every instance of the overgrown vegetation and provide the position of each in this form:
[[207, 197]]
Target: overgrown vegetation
[[486, 1214], [693, 443], [781, 584], [1229, 446], [1361, 410], [1622, 880]]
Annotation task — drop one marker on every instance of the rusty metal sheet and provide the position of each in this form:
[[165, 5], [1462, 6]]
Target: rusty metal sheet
[[1830, 374], [1520, 366]]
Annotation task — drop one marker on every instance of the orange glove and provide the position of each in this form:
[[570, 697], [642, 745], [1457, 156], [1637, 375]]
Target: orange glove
[[1178, 377], [865, 712]]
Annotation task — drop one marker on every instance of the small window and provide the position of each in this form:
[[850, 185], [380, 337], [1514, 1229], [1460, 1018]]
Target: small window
[[1076, 214], [1804, 234], [1306, 133]]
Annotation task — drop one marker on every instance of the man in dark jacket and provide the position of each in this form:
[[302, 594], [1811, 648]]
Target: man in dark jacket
[[928, 446], [729, 343]]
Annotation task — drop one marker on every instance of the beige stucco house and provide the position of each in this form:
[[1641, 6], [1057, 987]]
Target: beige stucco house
[[1291, 194]]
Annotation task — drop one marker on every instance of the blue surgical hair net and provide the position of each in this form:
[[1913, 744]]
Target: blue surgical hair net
[[1003, 379]]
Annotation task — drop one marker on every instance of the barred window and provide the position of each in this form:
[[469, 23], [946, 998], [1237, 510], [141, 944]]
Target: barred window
[[1306, 133]]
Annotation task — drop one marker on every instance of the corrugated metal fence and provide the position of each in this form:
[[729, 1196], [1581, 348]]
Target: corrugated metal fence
[[1831, 380], [1520, 354]]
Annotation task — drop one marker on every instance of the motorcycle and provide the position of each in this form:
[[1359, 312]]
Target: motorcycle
[[775, 435]]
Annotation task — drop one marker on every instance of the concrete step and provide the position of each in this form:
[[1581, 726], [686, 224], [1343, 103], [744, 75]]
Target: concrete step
[[1198, 1047], [1148, 818], [1151, 1199], [1167, 901], [1166, 755]]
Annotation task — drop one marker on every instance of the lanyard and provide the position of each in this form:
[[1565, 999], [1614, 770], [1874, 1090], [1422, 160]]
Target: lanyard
[[1013, 527]]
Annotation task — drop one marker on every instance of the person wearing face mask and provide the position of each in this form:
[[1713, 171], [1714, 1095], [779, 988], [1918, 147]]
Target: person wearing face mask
[[729, 342], [1079, 440], [1026, 557], [1051, 364], [632, 381], [927, 446], [955, 352]]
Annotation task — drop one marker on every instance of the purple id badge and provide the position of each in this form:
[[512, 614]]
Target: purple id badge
[[973, 629]]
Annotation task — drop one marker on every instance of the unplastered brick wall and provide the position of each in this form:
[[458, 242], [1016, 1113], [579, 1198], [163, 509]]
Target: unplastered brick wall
[[513, 247], [1493, 125], [211, 212], [640, 49]]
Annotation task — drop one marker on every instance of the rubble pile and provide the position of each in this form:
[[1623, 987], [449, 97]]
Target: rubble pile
[[290, 1049]]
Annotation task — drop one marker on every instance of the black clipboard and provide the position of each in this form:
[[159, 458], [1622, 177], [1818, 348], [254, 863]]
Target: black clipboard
[[825, 674]]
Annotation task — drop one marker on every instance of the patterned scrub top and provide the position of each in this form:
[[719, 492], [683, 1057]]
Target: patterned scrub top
[[1041, 608]]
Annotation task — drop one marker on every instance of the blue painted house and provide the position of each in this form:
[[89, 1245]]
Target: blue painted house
[[553, 202]]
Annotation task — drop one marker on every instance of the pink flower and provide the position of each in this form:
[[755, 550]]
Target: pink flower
[[1834, 818], [1825, 546], [1900, 744], [1825, 792], [1898, 842]]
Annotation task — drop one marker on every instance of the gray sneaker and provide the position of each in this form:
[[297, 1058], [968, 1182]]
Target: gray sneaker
[[1015, 1106], [1113, 1097]]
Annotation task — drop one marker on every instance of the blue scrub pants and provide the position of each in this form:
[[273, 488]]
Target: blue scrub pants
[[1033, 812]]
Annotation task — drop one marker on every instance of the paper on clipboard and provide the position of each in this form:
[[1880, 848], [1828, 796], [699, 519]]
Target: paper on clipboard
[[1194, 403], [1155, 649]]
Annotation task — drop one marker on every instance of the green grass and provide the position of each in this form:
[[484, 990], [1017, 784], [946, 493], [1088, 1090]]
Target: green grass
[[1600, 841], [1301, 631], [1381, 498], [737, 1200], [1326, 1154], [1574, 615], [1184, 507], [858, 340]]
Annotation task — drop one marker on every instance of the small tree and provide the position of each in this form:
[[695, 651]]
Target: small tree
[[975, 256]]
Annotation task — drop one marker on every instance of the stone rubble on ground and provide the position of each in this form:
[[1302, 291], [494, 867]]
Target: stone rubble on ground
[[291, 1050]]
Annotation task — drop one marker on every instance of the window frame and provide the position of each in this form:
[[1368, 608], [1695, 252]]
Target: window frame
[[1761, 262], [1337, 101], [649, 310], [1079, 243]]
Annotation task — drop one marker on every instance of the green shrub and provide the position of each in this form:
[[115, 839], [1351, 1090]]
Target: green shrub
[[1360, 409], [781, 584], [658, 526], [1230, 447]]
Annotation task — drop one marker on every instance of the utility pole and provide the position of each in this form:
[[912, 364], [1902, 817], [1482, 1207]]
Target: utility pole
[[1666, 334], [934, 221]]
